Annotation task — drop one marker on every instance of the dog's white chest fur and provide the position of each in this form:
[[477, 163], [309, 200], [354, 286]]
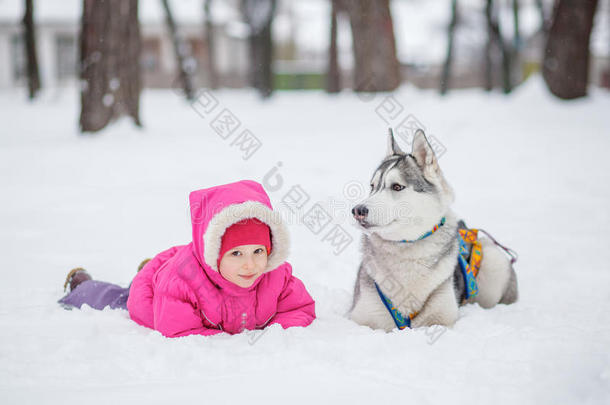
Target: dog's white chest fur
[[407, 273]]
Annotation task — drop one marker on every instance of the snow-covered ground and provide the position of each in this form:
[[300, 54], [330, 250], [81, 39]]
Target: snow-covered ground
[[530, 169]]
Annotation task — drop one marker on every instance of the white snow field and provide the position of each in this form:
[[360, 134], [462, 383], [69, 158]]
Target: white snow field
[[530, 169]]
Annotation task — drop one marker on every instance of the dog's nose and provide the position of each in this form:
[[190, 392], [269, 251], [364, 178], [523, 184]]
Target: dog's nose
[[360, 211]]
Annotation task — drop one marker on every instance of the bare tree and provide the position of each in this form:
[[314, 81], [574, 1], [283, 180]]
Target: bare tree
[[181, 53], [606, 72], [495, 37], [333, 76], [212, 73], [376, 64], [517, 36], [566, 58], [449, 58], [30, 49], [258, 14], [109, 62]]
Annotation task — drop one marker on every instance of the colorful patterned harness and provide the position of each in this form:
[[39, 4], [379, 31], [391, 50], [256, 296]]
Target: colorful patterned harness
[[470, 269], [399, 320], [425, 235]]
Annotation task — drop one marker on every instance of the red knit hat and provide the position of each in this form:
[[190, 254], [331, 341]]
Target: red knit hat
[[249, 231]]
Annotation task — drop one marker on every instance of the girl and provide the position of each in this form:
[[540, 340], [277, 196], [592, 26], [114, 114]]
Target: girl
[[233, 275]]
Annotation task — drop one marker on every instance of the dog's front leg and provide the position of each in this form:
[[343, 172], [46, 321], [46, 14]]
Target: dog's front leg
[[439, 309]]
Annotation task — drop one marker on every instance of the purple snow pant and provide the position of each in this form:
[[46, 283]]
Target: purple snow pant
[[96, 294]]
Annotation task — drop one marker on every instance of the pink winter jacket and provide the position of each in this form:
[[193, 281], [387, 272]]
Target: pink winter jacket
[[180, 291]]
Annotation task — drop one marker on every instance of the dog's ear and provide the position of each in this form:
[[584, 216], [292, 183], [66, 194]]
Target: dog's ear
[[393, 148], [424, 155]]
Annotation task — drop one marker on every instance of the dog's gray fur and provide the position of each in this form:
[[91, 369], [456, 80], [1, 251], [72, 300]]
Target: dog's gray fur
[[421, 276]]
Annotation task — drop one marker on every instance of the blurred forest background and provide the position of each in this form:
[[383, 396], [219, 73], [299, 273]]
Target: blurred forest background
[[112, 49]]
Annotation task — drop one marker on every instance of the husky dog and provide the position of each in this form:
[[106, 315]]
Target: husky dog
[[411, 254]]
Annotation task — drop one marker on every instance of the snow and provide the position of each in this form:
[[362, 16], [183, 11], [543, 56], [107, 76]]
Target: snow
[[528, 168], [114, 83], [108, 99]]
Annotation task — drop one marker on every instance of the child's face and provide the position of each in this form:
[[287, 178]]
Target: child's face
[[243, 264]]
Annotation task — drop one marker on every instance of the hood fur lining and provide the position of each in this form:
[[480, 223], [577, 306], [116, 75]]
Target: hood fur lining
[[280, 239]]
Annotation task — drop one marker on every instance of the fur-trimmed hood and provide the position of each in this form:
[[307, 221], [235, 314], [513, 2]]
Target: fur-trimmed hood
[[215, 209]]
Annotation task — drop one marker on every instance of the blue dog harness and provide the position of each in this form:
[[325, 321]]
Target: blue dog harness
[[425, 235], [469, 260], [399, 320]]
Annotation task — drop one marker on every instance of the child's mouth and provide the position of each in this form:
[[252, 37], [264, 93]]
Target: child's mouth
[[248, 277]]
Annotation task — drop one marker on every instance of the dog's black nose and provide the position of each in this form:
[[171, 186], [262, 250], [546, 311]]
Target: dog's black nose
[[360, 211]]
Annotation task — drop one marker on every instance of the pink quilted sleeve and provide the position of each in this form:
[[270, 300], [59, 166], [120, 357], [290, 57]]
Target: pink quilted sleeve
[[175, 308], [295, 306]]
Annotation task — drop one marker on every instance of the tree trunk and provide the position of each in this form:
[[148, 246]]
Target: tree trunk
[[181, 53], [448, 59], [109, 63], [376, 65], [494, 35], [489, 85], [258, 14], [333, 76], [606, 73], [209, 38], [263, 47], [30, 49], [517, 36], [516, 59], [566, 58]]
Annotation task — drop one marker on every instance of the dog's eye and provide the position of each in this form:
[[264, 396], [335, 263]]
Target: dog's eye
[[397, 187], [372, 186]]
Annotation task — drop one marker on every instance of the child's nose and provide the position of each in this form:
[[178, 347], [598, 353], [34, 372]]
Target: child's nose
[[249, 263]]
